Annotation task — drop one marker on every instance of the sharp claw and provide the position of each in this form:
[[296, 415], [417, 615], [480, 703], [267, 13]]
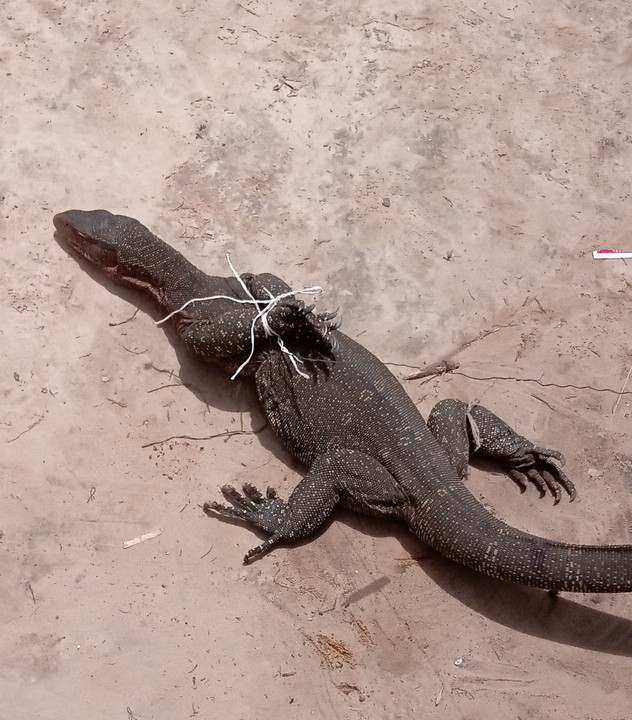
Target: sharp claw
[[518, 478], [213, 505], [251, 492], [553, 462], [552, 483], [565, 483], [538, 481], [546, 455], [222, 509], [230, 493], [248, 557]]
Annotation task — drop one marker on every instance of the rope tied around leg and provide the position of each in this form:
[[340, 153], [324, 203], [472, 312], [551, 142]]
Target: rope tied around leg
[[262, 315], [476, 433]]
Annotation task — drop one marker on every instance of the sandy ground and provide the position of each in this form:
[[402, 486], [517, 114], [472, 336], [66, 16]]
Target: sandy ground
[[444, 170]]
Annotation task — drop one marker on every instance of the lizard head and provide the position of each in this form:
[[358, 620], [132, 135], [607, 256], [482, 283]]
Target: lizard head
[[91, 233], [118, 245]]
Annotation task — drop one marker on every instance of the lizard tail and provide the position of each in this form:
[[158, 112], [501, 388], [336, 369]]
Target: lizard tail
[[474, 537]]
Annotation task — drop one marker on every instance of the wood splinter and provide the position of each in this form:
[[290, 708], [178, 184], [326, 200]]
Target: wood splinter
[[440, 368], [141, 538]]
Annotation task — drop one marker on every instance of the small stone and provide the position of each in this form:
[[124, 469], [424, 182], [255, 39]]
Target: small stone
[[386, 202]]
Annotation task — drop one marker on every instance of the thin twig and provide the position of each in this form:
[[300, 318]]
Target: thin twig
[[134, 352], [252, 12], [116, 402], [621, 392], [28, 429], [541, 383], [375, 21], [404, 365], [170, 385], [171, 373], [539, 304], [129, 319], [440, 368], [283, 81], [542, 400], [226, 434], [484, 334], [525, 379]]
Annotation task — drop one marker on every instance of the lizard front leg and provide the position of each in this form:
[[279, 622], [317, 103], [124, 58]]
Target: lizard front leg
[[348, 478]]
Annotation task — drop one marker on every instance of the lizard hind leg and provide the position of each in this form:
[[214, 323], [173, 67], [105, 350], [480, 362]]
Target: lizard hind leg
[[465, 431], [520, 458], [448, 423], [338, 477]]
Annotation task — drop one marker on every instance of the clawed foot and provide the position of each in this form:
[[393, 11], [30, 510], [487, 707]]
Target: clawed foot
[[542, 467], [265, 513], [331, 320], [300, 327]]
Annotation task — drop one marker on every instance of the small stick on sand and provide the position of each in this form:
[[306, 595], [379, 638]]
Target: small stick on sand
[[141, 538], [440, 368]]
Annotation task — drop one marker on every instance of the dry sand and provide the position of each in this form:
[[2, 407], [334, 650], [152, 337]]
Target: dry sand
[[501, 134]]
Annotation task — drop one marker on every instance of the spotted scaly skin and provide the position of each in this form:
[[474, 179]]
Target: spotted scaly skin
[[365, 443], [369, 450]]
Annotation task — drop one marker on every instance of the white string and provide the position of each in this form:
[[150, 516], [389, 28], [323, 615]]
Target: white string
[[476, 433], [201, 299], [261, 315], [238, 276]]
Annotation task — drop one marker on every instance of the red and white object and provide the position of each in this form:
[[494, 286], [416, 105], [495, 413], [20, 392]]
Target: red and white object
[[612, 255]]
